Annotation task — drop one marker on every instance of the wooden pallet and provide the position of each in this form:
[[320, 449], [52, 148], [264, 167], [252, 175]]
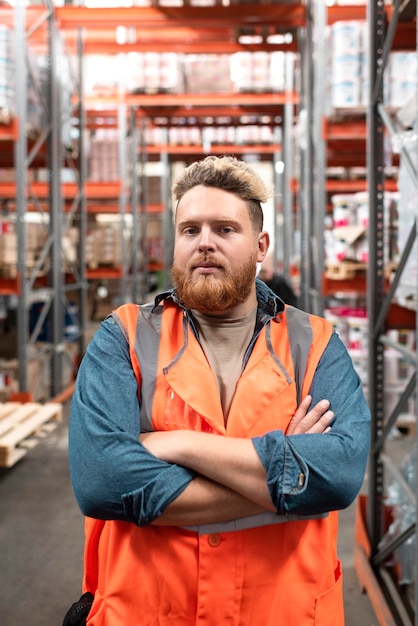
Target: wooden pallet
[[22, 425], [345, 270]]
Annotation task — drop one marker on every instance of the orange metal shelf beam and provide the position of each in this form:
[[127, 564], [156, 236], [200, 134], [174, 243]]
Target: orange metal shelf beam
[[191, 47], [213, 99], [9, 131], [93, 190], [9, 286], [349, 186], [347, 129], [285, 15], [238, 99], [103, 272], [214, 148]]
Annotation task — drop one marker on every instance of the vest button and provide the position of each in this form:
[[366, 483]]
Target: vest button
[[214, 540]]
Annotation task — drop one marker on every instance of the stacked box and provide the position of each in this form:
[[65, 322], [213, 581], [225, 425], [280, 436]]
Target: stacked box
[[104, 156], [36, 236], [347, 239], [208, 73], [261, 71], [104, 246], [8, 248]]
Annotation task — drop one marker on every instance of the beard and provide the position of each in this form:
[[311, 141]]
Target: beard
[[208, 293]]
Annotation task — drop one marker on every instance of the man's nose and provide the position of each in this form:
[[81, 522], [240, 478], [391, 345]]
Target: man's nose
[[206, 240]]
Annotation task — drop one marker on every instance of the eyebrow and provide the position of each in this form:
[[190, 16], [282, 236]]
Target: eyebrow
[[215, 220]]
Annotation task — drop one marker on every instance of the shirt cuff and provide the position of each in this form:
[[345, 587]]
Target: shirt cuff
[[144, 505], [287, 473]]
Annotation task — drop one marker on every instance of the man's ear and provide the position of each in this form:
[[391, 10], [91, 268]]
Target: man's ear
[[263, 246]]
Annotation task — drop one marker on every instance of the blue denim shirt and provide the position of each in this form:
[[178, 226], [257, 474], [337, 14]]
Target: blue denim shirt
[[115, 477]]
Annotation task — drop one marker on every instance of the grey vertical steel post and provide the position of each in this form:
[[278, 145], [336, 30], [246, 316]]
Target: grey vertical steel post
[[122, 200], [142, 240], [287, 178], [20, 158], [134, 204], [280, 230], [82, 202], [306, 174], [167, 216], [319, 192], [56, 211], [416, 343], [375, 273]]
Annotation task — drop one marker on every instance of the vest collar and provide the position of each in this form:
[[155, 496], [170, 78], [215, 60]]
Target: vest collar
[[269, 304]]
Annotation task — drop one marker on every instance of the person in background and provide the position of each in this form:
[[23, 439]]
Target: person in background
[[214, 435], [277, 283]]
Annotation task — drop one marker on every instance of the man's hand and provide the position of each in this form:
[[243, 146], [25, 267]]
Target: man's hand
[[316, 420]]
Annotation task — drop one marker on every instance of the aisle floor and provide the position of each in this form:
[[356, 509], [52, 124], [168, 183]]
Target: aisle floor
[[41, 541]]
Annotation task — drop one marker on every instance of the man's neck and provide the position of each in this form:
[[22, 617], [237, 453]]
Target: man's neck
[[239, 311]]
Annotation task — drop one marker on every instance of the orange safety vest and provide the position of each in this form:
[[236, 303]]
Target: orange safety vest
[[252, 572]]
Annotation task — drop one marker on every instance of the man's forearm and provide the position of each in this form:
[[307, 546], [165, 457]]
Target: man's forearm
[[206, 502], [231, 462]]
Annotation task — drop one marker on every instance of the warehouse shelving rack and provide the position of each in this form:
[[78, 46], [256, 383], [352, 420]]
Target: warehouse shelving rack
[[167, 27], [35, 33], [393, 603]]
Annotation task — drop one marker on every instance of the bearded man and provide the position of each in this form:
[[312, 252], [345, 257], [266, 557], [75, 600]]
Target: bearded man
[[214, 434]]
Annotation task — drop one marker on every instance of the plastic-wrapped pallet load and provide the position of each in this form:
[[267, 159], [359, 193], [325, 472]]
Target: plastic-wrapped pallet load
[[346, 43], [7, 93], [407, 213]]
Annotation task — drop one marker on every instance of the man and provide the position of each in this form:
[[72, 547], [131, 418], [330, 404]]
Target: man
[[214, 434]]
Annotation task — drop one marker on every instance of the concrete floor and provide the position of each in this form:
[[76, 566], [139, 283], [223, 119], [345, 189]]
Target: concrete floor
[[41, 541]]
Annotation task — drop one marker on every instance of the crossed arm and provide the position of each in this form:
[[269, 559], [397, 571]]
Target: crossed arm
[[116, 476], [231, 481]]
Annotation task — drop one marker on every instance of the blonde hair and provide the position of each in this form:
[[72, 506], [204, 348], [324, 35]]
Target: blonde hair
[[231, 175]]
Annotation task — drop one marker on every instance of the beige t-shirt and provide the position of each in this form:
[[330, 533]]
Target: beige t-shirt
[[224, 342]]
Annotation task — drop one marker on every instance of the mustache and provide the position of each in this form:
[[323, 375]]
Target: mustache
[[208, 259]]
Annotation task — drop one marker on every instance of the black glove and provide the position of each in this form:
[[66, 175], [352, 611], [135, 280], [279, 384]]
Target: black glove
[[78, 612]]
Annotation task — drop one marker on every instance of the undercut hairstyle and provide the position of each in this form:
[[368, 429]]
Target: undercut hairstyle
[[231, 175]]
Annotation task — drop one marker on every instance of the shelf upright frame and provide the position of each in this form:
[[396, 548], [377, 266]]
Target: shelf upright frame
[[82, 204], [287, 155], [21, 157], [55, 154], [143, 195], [375, 275], [168, 224], [122, 160], [378, 304], [282, 217], [133, 169], [313, 202], [319, 195], [50, 259], [416, 378], [306, 172]]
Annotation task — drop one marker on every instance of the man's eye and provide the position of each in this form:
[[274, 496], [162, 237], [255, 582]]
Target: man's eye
[[190, 231]]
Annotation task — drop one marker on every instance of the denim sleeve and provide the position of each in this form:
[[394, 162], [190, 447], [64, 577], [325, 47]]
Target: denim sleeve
[[315, 473], [113, 475]]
